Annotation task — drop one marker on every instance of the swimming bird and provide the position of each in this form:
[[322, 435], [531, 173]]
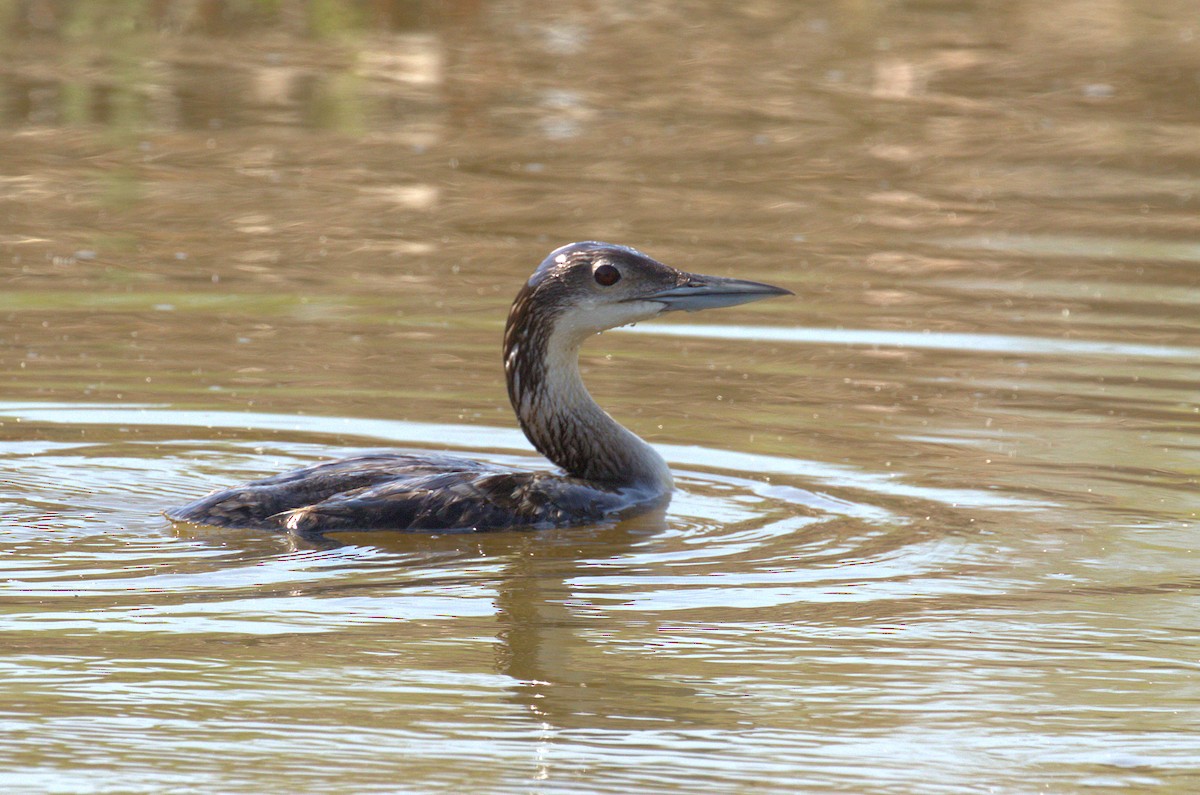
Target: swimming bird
[[605, 470]]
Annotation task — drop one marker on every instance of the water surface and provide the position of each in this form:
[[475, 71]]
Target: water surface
[[937, 517]]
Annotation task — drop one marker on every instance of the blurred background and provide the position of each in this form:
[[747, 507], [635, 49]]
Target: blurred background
[[937, 518]]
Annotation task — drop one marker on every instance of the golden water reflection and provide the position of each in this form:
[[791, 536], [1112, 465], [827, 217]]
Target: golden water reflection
[[937, 514]]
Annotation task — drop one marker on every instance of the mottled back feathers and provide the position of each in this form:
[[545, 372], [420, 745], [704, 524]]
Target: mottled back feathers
[[403, 492]]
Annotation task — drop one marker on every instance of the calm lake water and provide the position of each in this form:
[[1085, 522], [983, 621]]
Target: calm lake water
[[937, 527]]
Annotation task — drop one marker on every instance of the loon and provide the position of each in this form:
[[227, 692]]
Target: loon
[[606, 471]]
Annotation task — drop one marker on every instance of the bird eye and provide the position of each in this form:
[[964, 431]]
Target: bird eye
[[606, 275]]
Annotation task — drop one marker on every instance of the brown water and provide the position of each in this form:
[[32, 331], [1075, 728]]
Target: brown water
[[938, 520]]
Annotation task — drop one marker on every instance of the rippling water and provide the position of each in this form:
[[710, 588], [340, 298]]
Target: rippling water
[[937, 516]]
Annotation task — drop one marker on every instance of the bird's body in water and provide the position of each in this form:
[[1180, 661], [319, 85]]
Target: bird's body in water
[[577, 291]]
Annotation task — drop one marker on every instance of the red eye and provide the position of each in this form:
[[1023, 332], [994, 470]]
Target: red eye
[[606, 275]]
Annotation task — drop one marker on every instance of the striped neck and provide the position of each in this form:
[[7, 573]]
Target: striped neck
[[555, 410]]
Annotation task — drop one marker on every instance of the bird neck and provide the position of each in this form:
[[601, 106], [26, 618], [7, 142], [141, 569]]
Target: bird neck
[[559, 416]]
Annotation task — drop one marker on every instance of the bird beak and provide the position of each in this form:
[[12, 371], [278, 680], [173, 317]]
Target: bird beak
[[698, 292]]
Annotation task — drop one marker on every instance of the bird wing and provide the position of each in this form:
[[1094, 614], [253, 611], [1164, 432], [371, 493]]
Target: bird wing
[[458, 501], [396, 491], [257, 503]]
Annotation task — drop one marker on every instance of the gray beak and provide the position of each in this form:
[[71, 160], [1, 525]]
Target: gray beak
[[710, 292]]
